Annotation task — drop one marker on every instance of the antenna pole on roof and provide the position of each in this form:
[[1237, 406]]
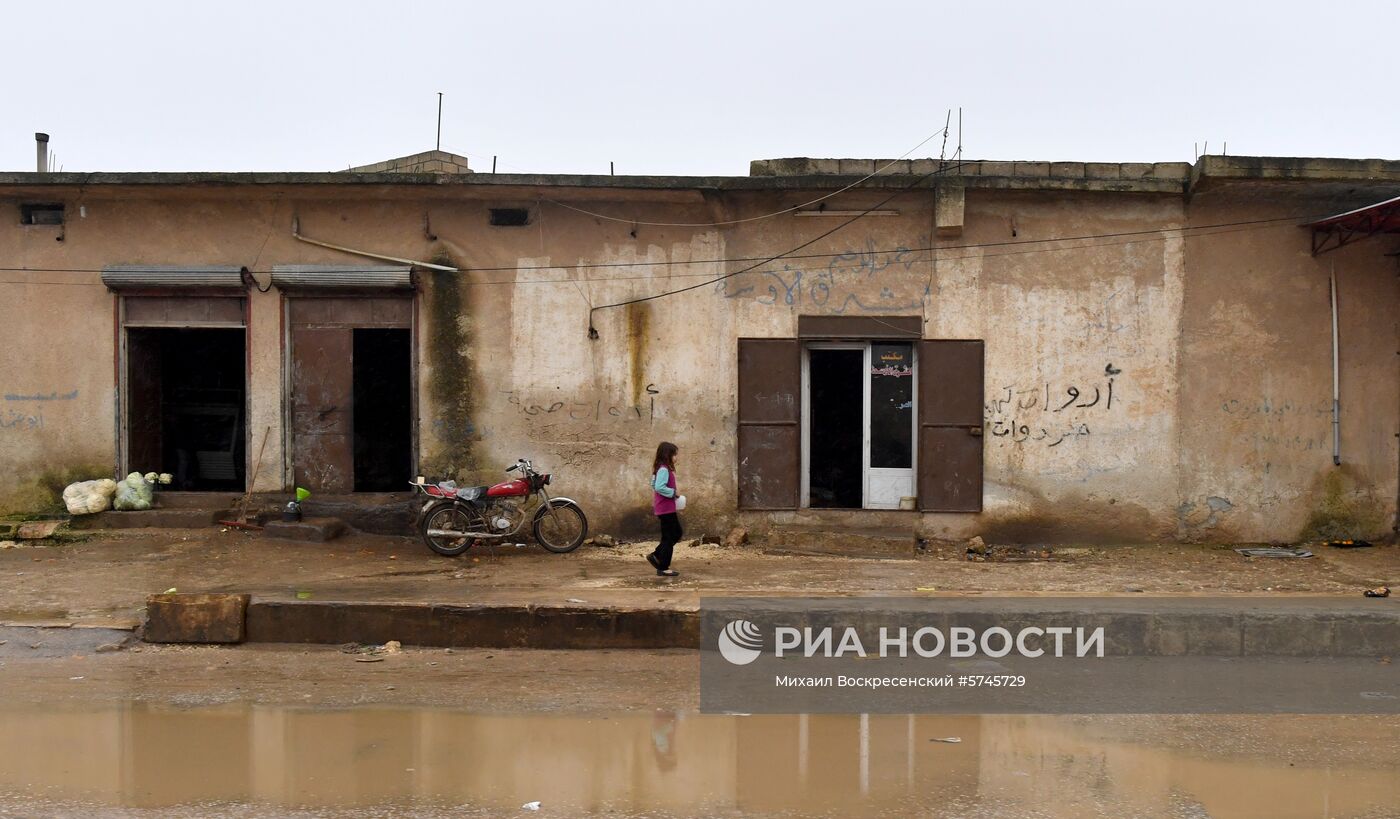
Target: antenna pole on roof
[[944, 150], [439, 128]]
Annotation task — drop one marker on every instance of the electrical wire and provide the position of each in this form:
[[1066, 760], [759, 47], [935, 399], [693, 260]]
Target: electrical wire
[[879, 251], [917, 181], [857, 183], [1149, 235]]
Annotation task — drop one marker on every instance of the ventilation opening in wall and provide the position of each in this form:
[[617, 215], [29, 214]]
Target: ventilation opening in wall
[[41, 214], [510, 217]]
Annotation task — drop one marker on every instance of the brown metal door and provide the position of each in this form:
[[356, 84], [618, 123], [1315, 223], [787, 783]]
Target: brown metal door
[[950, 426], [770, 407], [323, 382], [323, 456], [145, 443]]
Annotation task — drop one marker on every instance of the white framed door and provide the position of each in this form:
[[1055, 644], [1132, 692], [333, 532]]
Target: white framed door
[[891, 390], [858, 424]]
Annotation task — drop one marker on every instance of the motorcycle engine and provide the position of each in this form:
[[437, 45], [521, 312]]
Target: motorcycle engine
[[505, 515]]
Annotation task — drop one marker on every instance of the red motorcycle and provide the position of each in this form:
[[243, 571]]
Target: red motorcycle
[[454, 518]]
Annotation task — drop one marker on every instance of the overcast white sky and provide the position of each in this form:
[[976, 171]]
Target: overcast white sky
[[687, 88]]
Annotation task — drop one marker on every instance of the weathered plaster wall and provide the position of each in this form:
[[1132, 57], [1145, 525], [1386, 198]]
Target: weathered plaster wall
[[56, 394], [1256, 396], [1216, 348], [1081, 361]]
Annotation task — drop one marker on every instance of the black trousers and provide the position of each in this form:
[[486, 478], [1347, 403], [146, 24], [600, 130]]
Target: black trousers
[[670, 536]]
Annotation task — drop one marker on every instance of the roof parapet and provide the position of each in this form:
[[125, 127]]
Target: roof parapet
[[1019, 169]]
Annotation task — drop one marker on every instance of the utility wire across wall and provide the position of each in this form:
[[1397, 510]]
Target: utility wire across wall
[[1147, 235], [879, 251], [918, 180]]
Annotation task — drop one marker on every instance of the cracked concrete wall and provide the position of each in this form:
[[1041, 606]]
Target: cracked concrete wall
[[1138, 386]]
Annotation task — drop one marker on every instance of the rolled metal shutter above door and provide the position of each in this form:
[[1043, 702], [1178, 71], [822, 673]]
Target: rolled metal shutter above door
[[770, 428], [950, 426], [174, 277], [328, 279]]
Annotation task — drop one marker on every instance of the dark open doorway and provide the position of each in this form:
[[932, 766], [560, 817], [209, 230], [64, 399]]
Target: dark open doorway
[[186, 396], [383, 409], [835, 476]]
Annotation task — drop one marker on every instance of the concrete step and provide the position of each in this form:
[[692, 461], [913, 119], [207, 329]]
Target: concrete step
[[150, 518], [312, 529], [197, 500], [380, 513], [821, 541]]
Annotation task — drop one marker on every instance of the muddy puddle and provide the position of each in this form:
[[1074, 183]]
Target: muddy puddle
[[246, 760]]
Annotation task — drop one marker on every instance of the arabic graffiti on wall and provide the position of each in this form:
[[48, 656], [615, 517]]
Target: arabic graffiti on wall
[[21, 420], [862, 280], [587, 408], [1283, 423], [51, 396], [1047, 413], [30, 419]]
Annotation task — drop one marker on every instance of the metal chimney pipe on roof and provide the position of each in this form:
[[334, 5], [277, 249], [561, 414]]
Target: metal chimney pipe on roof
[[41, 145]]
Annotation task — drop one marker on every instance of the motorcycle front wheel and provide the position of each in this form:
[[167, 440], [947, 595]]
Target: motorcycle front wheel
[[564, 530], [450, 517]]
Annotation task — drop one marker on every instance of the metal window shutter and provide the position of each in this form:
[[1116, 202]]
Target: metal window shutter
[[340, 278], [173, 277], [770, 428], [950, 426]]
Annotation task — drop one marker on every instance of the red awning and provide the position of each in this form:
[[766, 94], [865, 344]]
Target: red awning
[[1345, 228]]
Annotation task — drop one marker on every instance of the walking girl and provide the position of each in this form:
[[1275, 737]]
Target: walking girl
[[664, 506]]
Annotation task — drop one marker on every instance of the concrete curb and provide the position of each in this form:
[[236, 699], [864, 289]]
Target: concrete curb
[[55, 640], [272, 621], [1315, 628]]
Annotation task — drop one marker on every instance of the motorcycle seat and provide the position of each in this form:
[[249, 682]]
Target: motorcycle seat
[[471, 492]]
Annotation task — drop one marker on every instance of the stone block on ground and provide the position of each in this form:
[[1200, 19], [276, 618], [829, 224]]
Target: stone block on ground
[[195, 618], [37, 529], [315, 530]]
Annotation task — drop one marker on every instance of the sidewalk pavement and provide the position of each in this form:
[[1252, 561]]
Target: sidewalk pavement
[[104, 580]]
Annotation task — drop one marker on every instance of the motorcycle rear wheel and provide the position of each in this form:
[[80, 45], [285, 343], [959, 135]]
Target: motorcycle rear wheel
[[453, 518], [562, 531]]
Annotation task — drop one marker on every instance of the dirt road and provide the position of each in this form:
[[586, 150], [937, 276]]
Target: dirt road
[[105, 579]]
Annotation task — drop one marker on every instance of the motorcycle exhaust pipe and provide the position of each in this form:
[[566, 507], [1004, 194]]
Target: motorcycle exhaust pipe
[[454, 533]]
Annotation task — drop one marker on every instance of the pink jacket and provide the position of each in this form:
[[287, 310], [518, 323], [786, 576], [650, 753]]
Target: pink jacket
[[660, 504]]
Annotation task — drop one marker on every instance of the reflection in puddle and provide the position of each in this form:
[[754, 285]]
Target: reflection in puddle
[[142, 756]]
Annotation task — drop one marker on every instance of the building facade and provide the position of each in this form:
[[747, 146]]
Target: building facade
[[1026, 351]]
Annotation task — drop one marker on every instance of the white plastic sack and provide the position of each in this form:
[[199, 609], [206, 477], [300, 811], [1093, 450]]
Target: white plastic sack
[[133, 494], [89, 497], [680, 502]]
